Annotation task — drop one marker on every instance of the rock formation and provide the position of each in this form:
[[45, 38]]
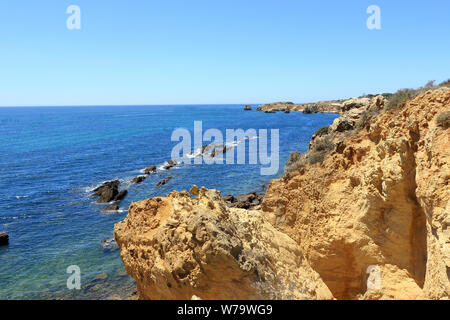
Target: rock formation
[[4, 238], [107, 191], [368, 219], [251, 200], [380, 198], [138, 179], [333, 106], [170, 164], [163, 181], [178, 246], [113, 207], [150, 169]]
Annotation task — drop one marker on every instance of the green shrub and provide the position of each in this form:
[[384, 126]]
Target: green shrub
[[317, 156], [296, 161], [365, 118], [321, 132], [323, 144], [399, 98], [443, 120], [445, 83]]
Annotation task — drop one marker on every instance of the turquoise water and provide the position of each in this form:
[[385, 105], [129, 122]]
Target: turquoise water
[[52, 157]]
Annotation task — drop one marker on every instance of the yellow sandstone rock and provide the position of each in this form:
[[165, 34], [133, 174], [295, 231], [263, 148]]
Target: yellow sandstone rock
[[371, 221], [178, 247], [381, 199]]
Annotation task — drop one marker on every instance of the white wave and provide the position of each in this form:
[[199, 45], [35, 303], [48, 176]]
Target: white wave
[[21, 197]]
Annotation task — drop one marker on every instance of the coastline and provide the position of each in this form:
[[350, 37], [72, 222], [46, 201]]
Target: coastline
[[346, 143]]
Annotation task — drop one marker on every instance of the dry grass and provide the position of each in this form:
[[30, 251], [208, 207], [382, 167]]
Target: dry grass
[[443, 120]]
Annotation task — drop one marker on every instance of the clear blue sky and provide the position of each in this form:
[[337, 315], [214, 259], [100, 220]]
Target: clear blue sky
[[217, 51]]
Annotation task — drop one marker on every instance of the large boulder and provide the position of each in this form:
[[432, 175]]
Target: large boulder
[[4, 238], [138, 179], [107, 192], [355, 103], [378, 204], [164, 181], [150, 169]]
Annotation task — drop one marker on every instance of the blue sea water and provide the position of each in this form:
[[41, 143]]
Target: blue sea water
[[52, 157]]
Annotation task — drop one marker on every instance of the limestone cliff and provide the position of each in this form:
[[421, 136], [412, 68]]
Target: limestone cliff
[[379, 198]]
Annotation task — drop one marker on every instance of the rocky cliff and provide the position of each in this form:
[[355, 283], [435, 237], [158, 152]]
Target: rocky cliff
[[333, 106], [381, 197], [377, 198]]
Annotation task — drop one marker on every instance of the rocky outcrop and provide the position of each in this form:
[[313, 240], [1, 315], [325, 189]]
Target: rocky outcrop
[[356, 113], [248, 107], [178, 246], [251, 200], [170, 164], [379, 198], [109, 244], [121, 195], [138, 179], [4, 238], [151, 169], [107, 191], [163, 181], [113, 207], [333, 106]]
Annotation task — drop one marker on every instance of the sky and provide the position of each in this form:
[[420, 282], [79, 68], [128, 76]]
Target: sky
[[217, 51]]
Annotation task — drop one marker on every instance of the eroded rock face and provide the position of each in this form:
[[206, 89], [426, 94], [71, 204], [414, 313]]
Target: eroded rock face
[[381, 198], [178, 246]]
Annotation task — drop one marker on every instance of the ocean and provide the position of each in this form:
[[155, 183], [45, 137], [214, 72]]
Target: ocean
[[53, 157]]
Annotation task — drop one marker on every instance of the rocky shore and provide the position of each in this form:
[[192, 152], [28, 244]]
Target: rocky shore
[[371, 193]]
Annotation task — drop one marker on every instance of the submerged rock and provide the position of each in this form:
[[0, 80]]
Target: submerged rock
[[164, 181], [113, 207], [4, 238], [109, 244]]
